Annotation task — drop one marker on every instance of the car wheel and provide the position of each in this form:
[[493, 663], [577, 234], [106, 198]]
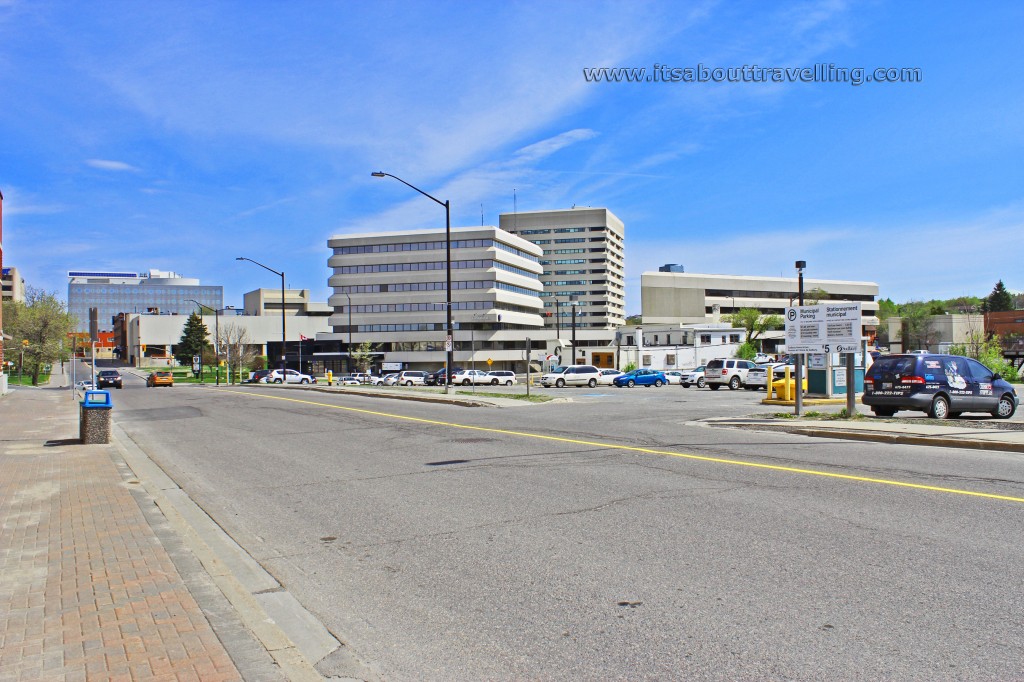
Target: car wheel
[[883, 411], [592, 383], [465, 382], [940, 408], [657, 383], [304, 381], [560, 383], [734, 383], [508, 383], [494, 382], [408, 383], [701, 383], [1005, 408], [630, 383], [714, 387], [278, 381]]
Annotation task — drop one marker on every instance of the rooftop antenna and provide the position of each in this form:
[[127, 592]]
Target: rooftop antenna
[[515, 210], [481, 215]]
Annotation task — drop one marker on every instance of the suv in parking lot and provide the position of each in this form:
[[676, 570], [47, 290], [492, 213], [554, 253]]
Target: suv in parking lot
[[502, 376], [727, 372], [943, 386], [573, 375], [411, 378]]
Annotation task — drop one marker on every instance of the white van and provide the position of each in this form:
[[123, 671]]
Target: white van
[[572, 375]]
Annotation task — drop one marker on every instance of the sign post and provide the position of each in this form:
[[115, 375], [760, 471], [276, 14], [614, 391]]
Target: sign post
[[825, 328]]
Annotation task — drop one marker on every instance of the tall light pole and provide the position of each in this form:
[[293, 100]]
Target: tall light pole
[[216, 335], [799, 406], [558, 318], [449, 343], [284, 337], [572, 311], [349, 332]]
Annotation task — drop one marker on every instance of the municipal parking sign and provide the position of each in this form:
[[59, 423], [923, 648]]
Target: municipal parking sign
[[825, 328]]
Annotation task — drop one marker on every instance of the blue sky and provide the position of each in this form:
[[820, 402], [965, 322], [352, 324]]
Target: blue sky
[[179, 135]]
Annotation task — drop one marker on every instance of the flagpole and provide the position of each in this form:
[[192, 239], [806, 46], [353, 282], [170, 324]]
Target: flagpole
[[300, 352]]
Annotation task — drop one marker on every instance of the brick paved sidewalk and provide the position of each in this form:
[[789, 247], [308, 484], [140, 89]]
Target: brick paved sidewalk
[[87, 591]]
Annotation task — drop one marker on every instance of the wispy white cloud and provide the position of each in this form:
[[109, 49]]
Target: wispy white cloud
[[106, 164]]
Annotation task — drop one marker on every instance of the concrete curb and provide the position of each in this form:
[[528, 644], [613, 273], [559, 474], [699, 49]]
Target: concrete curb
[[877, 437], [293, 637]]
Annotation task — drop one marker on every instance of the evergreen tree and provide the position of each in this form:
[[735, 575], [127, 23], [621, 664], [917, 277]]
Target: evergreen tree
[[194, 339], [999, 300]]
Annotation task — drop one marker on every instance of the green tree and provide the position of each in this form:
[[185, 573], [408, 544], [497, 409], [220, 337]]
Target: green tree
[[754, 322], [194, 340], [634, 319], [887, 309], [917, 331], [747, 351], [361, 355], [999, 300], [44, 322], [988, 352]]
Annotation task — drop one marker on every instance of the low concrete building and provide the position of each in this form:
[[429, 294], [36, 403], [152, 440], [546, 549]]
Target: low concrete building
[[936, 334], [692, 298], [12, 284], [296, 302]]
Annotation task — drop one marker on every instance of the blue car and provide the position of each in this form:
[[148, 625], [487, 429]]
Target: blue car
[[640, 377]]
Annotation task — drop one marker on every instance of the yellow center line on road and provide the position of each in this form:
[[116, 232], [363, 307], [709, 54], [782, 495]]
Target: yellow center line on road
[[633, 448]]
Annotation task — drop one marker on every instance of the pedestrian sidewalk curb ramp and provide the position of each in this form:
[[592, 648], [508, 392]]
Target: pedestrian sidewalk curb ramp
[[293, 636]]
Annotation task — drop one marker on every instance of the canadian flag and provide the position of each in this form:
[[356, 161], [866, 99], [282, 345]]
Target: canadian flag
[[304, 338]]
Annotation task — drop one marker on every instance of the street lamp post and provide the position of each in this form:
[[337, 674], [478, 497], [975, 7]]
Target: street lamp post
[[284, 337], [572, 310], [799, 406], [450, 332], [216, 335], [349, 332], [558, 319]]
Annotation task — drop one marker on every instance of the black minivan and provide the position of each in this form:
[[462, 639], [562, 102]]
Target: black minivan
[[943, 386]]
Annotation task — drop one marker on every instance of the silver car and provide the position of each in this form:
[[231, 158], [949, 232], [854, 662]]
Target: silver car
[[694, 377]]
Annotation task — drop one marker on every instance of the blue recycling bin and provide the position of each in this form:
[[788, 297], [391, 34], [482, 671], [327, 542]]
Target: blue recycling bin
[[94, 417]]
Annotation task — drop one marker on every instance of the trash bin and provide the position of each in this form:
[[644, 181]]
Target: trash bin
[[94, 417]]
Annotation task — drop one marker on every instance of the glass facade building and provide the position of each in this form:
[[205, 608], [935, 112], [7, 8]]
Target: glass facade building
[[156, 292]]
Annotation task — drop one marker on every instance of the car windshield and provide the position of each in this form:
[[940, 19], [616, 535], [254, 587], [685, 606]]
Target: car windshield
[[558, 370], [162, 374], [894, 364]]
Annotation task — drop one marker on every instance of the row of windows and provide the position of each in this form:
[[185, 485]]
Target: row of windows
[[424, 327], [434, 286], [433, 307], [817, 294], [143, 291], [548, 253], [432, 265], [574, 240], [561, 230], [431, 246]]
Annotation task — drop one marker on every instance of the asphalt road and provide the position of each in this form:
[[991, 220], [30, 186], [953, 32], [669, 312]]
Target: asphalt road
[[608, 538]]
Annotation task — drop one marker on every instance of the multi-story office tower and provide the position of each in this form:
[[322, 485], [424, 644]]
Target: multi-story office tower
[[12, 284], [130, 292], [584, 264], [389, 289]]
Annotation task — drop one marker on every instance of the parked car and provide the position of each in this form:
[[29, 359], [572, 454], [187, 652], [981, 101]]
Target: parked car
[[411, 378], [437, 377], [364, 378], [943, 386], [502, 376], [763, 358], [571, 375], [159, 378], [108, 377], [257, 377], [389, 379], [674, 376], [470, 376], [640, 377], [84, 385], [727, 372], [694, 377], [757, 378], [346, 380], [290, 376], [608, 376]]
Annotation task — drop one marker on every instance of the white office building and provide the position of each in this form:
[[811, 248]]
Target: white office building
[[583, 256], [390, 291]]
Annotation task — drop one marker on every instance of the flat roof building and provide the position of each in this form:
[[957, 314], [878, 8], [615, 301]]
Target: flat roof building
[[669, 297], [390, 290], [155, 291], [12, 284], [584, 264]]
